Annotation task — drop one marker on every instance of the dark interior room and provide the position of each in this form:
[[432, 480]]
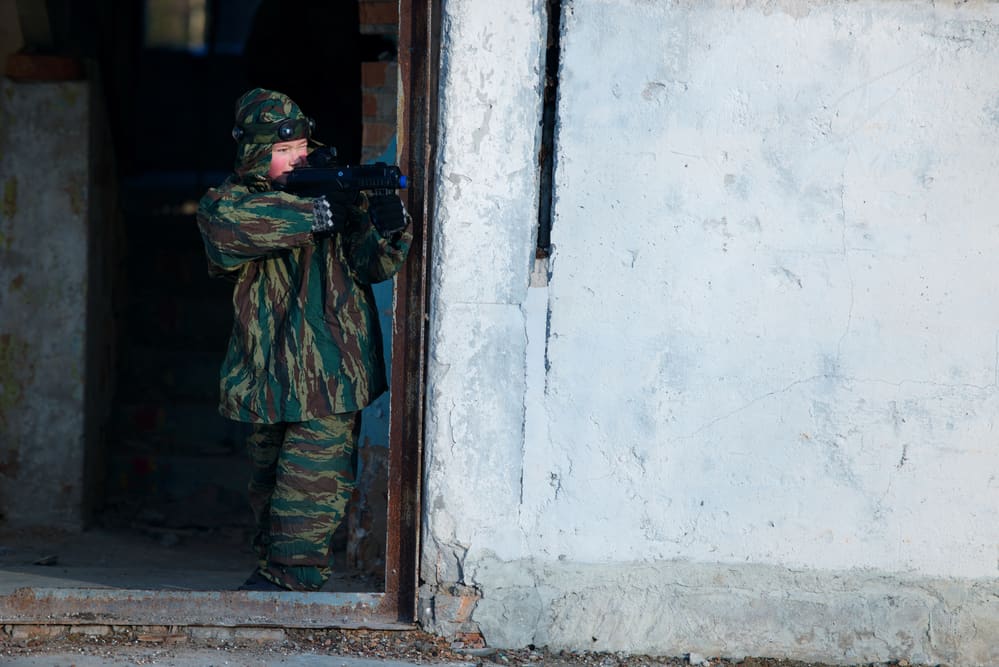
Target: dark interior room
[[166, 503]]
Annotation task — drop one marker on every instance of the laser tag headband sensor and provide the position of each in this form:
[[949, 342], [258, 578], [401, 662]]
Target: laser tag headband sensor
[[272, 133]]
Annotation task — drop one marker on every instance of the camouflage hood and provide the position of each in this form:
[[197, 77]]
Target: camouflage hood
[[263, 118]]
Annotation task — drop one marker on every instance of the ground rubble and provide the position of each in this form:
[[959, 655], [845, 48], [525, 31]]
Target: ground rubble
[[410, 646]]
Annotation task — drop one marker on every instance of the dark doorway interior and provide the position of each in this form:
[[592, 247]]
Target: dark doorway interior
[[173, 513]]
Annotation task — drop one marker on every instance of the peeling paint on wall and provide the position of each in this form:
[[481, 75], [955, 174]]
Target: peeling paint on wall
[[783, 300]]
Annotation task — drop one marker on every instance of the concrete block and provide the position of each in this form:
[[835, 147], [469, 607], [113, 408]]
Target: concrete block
[[90, 630], [261, 635], [22, 634]]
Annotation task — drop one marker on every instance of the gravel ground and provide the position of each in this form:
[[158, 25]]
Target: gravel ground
[[412, 646]]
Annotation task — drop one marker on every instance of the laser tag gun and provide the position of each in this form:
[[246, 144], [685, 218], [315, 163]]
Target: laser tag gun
[[322, 176]]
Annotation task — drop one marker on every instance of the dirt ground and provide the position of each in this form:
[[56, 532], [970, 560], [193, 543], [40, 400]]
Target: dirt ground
[[412, 646]]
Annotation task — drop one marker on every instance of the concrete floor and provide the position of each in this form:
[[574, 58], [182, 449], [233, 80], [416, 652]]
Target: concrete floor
[[141, 558]]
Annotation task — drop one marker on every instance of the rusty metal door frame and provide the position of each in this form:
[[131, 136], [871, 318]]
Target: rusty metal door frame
[[419, 48]]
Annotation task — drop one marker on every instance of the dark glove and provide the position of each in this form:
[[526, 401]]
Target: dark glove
[[387, 214], [343, 198], [328, 217]]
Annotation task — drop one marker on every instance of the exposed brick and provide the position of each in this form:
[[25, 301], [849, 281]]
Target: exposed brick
[[375, 74], [25, 633], [369, 105], [377, 134], [465, 608], [29, 67], [379, 13], [379, 107], [471, 639]]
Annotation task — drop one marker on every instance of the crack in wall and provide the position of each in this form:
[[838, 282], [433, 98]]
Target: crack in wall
[[748, 405], [845, 379], [543, 262], [849, 269]]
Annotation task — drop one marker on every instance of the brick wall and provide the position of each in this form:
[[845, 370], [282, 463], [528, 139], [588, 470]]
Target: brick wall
[[378, 81]]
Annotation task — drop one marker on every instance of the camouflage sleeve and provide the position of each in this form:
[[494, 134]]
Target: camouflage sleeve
[[371, 257], [238, 227]]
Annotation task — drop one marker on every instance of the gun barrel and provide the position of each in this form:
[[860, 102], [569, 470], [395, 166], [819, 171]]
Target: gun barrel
[[361, 177]]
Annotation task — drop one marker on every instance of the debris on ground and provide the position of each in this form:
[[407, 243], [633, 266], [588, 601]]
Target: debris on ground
[[407, 645]]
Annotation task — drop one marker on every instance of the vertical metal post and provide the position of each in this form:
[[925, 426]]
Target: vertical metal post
[[419, 49]]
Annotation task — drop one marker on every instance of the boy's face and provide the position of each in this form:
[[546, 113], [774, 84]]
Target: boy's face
[[285, 156]]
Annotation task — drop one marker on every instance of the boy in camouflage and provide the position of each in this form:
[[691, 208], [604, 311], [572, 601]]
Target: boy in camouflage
[[304, 355]]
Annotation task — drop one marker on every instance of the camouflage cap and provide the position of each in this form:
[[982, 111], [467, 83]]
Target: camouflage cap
[[265, 117]]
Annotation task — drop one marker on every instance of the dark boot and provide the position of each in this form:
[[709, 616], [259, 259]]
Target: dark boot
[[258, 582]]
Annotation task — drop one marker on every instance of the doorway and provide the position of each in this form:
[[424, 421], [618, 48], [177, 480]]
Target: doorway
[[172, 520]]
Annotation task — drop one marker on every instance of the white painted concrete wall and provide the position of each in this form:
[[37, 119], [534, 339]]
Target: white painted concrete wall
[[752, 411]]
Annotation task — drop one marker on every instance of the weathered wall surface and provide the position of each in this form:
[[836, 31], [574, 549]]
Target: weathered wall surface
[[10, 30], [44, 222], [752, 410]]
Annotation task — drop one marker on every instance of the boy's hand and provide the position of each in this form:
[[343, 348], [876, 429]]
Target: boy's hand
[[387, 214]]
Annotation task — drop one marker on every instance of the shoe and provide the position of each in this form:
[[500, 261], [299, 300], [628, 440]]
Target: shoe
[[258, 582]]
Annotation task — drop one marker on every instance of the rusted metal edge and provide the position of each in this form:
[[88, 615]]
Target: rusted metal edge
[[419, 51], [108, 606]]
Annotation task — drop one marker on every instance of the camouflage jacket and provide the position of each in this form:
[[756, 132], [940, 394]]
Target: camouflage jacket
[[305, 341]]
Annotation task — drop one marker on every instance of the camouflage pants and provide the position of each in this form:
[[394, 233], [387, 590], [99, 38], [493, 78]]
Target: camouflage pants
[[302, 477]]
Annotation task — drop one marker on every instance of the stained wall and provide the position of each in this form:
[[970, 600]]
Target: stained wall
[[746, 407]]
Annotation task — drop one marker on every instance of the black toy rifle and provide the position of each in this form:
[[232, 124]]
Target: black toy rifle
[[322, 175]]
